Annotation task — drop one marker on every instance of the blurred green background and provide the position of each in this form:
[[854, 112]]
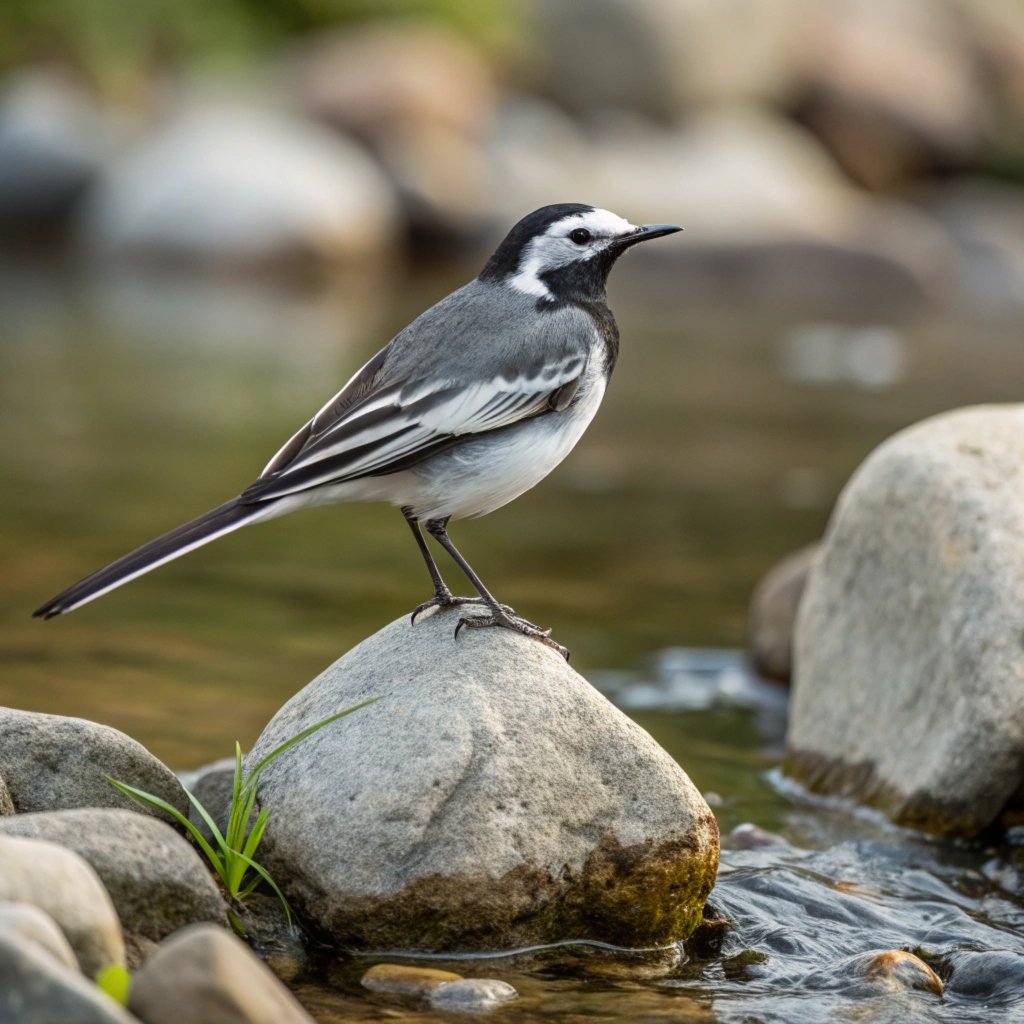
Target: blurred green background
[[212, 213]]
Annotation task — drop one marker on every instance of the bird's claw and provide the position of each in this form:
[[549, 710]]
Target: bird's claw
[[504, 616], [441, 601]]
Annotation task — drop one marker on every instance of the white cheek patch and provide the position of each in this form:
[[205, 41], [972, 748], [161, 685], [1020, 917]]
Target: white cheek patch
[[527, 278]]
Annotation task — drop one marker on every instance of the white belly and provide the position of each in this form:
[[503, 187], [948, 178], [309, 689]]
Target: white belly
[[480, 475]]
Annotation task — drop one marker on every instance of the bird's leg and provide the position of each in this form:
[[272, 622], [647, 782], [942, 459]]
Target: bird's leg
[[500, 614], [443, 597]]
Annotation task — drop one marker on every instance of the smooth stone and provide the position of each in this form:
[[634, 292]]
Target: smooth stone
[[156, 879], [747, 836], [421, 97], [908, 692], [472, 994], [36, 988], [231, 186], [53, 140], [893, 89], [30, 924], [538, 812], [985, 219], [51, 762], [896, 970], [6, 803], [205, 975], [402, 980], [62, 884], [662, 58], [772, 614]]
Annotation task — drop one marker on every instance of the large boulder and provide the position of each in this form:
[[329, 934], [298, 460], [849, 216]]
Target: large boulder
[[491, 798], [909, 671], [60, 883], [50, 762], [158, 882]]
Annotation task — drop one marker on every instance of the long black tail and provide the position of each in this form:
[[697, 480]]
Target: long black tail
[[215, 523]]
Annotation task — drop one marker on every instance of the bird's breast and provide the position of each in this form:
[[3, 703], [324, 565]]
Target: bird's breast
[[483, 473]]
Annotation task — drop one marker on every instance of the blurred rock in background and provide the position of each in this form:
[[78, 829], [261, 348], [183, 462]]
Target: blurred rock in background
[[830, 154]]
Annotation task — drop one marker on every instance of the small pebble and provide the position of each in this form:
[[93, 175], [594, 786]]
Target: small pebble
[[471, 994], [748, 836], [403, 980], [896, 969]]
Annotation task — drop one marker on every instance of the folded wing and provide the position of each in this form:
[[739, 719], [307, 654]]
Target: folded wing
[[367, 431]]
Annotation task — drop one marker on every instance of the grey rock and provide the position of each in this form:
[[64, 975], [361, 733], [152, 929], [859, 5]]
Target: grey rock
[[772, 614], [60, 883], [231, 186], [35, 988], [491, 798], [50, 762], [25, 922], [422, 99], [6, 803], [156, 879], [986, 222], [908, 690], [472, 995], [204, 975], [53, 139], [660, 58], [893, 89]]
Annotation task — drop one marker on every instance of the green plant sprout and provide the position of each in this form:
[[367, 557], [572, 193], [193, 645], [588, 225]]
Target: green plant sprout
[[231, 855]]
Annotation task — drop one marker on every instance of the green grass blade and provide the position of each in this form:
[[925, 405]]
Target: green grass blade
[[163, 805], [240, 815], [252, 841], [207, 819], [236, 783], [298, 738]]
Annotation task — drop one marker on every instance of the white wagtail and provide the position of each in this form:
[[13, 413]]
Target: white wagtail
[[472, 404]]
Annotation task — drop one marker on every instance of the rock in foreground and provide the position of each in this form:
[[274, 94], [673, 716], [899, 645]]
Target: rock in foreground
[[204, 975], [51, 762], [491, 798], [909, 678], [157, 881]]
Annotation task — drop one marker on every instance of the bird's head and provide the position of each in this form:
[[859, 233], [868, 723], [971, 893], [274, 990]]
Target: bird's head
[[564, 252]]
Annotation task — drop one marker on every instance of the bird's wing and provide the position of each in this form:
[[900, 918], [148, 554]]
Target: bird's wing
[[367, 431]]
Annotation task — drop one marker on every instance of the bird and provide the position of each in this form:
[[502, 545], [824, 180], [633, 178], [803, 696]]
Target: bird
[[466, 408]]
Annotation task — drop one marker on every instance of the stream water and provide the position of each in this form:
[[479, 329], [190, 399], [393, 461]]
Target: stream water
[[128, 406]]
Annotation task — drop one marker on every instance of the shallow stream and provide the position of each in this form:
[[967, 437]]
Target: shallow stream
[[127, 406]]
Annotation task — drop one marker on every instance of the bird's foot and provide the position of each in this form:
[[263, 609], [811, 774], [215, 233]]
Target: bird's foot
[[502, 615], [446, 599]]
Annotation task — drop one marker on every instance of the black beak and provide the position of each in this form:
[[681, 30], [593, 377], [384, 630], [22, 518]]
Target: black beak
[[645, 233]]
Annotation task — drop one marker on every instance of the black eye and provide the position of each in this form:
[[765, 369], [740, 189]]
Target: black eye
[[580, 236]]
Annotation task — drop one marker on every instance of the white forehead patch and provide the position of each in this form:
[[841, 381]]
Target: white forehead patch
[[554, 249], [600, 222]]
